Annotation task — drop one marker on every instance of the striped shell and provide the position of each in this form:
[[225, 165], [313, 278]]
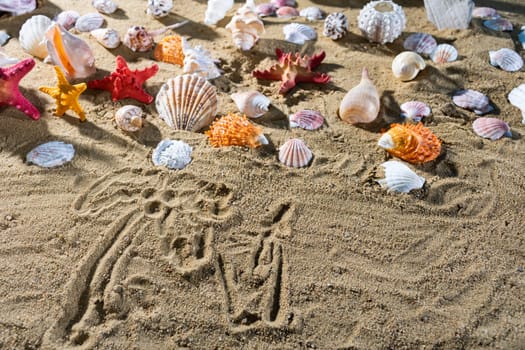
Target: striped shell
[[485, 12], [172, 154], [286, 12], [89, 22], [294, 153], [415, 110], [413, 143], [298, 33], [381, 21], [444, 53], [51, 154], [266, 9], [187, 102], [107, 37], [32, 35], [129, 118], [335, 26], [104, 6], [407, 65], [312, 13], [422, 43], [235, 130], [507, 59], [67, 19], [472, 100], [159, 8], [253, 104], [499, 24], [517, 99], [169, 50], [306, 119], [491, 128], [400, 178]]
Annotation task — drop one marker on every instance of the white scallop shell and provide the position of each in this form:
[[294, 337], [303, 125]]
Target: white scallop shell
[[32, 33], [400, 178], [407, 65], [298, 33], [517, 99], [335, 25], [67, 19], [246, 27], [198, 60], [415, 110], [217, 10], [6, 60], [89, 22], [129, 118], [51, 154], [382, 21], [306, 119], [107, 37], [444, 53], [294, 153], [491, 128], [172, 154], [159, 8], [507, 59], [187, 102], [473, 100], [422, 43], [105, 6], [485, 12], [312, 13], [253, 104]]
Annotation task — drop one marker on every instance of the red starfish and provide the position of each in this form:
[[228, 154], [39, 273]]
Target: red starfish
[[294, 69], [10, 94], [123, 82]]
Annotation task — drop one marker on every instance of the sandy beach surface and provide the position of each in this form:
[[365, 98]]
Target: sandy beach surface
[[239, 251]]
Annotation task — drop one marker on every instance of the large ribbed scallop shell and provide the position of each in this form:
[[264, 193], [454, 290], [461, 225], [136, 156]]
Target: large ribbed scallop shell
[[187, 102], [421, 43], [382, 21], [253, 104], [32, 34], [89, 22], [361, 103], [491, 128], [298, 33], [407, 65], [246, 27], [444, 53], [517, 99], [306, 119], [235, 130], [472, 100], [129, 118], [294, 153], [335, 25], [400, 178], [507, 59], [413, 143]]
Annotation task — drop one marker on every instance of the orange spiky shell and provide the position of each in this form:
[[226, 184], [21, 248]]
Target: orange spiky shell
[[169, 50], [235, 130], [413, 143]]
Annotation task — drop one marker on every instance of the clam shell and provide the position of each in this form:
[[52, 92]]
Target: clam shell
[[491, 128], [159, 8], [381, 21], [507, 59], [187, 102], [294, 153], [138, 39], [67, 19], [312, 13], [253, 104], [361, 103], [499, 24], [472, 100], [107, 37], [306, 119], [298, 33], [415, 110], [407, 65], [335, 26], [235, 130], [485, 12], [172, 154], [129, 118], [266, 9], [51, 154], [444, 53], [286, 12], [89, 22], [517, 98], [400, 178], [216, 11], [422, 43], [32, 34], [105, 6], [283, 3]]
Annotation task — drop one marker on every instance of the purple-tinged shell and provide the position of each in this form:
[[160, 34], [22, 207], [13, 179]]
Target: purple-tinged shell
[[51, 154], [499, 24], [491, 128], [266, 9], [444, 53], [306, 119], [17, 7], [312, 13], [298, 33], [67, 19], [89, 22], [507, 59], [422, 43], [485, 12], [472, 100], [283, 3], [415, 110], [286, 12], [294, 153]]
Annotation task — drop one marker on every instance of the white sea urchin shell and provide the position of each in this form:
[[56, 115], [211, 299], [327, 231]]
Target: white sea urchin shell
[[382, 21]]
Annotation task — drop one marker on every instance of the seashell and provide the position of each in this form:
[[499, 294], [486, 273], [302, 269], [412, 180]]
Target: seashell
[[499, 24], [187, 102], [198, 60], [138, 39], [491, 128], [6, 60], [246, 27], [422, 43], [89, 22], [413, 143], [415, 110], [517, 98], [298, 33], [312, 13], [361, 103], [451, 14], [400, 178], [444, 53], [266, 9], [253, 104], [235, 130], [507, 59], [159, 8], [17, 7], [217, 10], [67, 19], [172, 154], [306, 119], [407, 65], [286, 12], [107, 37], [129, 118], [70, 53], [283, 3], [51, 154], [32, 37], [472, 100], [521, 37], [485, 12], [104, 6], [4, 37], [294, 153], [169, 50], [381, 21], [335, 26]]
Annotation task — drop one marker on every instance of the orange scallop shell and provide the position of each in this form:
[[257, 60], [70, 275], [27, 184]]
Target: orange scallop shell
[[169, 50], [414, 143], [234, 130]]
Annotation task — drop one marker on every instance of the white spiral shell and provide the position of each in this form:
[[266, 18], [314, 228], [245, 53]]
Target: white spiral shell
[[294, 153], [32, 35], [246, 27], [107, 37], [407, 65], [129, 118], [382, 21], [198, 60], [507, 59], [298, 33], [400, 178], [253, 104], [159, 8], [172, 154]]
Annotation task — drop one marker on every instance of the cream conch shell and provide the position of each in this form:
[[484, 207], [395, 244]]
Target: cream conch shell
[[246, 27], [407, 65], [361, 103]]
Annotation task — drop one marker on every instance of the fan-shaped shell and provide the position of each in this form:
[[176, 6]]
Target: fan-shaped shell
[[138, 39], [159, 8], [517, 99], [235, 130], [67, 19], [253, 104], [361, 103], [485, 12], [107, 37], [507, 59], [421, 43], [499, 24], [312, 13], [51, 154], [187, 102], [266, 9], [491, 128], [400, 178], [32, 34], [294, 153], [413, 143], [306, 119], [382, 21], [172, 154], [169, 50], [444, 53], [415, 110], [335, 25], [298, 33], [89, 22], [407, 65], [105, 6], [129, 118], [472, 100], [286, 12]]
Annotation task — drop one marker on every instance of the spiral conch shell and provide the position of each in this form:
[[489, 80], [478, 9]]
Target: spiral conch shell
[[246, 27], [407, 65], [251, 103], [361, 103]]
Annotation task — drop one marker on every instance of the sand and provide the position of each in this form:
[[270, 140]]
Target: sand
[[239, 251]]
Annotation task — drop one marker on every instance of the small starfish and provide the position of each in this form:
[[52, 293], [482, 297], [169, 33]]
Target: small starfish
[[10, 94], [294, 69], [123, 82], [66, 95]]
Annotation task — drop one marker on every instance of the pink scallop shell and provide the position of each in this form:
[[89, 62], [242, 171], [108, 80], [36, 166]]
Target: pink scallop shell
[[507, 59], [485, 12], [421, 43], [283, 3], [415, 110], [266, 9], [286, 12], [491, 128], [444, 53], [306, 119], [473, 100], [294, 153]]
